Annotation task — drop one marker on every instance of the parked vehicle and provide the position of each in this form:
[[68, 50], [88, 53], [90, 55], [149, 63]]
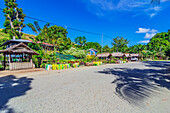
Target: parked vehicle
[[134, 59]]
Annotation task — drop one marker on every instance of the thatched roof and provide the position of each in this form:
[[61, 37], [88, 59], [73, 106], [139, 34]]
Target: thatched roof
[[127, 55], [117, 54], [135, 55], [105, 55], [18, 49]]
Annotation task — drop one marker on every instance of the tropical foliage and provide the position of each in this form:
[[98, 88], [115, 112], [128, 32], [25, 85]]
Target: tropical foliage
[[160, 43], [120, 44], [80, 40], [75, 52]]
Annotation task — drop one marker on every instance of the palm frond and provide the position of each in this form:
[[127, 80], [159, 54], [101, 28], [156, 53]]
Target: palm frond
[[37, 26], [30, 25]]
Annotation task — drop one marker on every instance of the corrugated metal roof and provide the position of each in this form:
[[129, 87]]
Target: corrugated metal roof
[[17, 40]]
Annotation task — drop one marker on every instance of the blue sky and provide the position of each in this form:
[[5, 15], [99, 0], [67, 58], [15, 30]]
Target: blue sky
[[136, 20]]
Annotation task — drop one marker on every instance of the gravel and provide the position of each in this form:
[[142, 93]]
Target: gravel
[[140, 87]]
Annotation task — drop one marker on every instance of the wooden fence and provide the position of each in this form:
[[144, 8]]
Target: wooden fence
[[20, 65]]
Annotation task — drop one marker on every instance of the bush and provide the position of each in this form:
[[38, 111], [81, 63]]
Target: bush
[[156, 58], [112, 61], [35, 61], [1, 66], [89, 58], [43, 65], [104, 61]]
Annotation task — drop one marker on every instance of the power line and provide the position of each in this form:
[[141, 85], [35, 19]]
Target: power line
[[67, 27]]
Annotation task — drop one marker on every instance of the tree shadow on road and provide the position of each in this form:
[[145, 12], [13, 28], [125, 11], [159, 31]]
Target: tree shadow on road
[[134, 85], [159, 64], [11, 87]]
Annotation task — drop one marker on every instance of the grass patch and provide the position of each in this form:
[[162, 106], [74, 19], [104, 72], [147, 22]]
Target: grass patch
[[4, 35]]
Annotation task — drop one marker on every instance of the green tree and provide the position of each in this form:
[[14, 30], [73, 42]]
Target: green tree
[[106, 48], [137, 48], [80, 40], [159, 43], [55, 35], [167, 52], [94, 45], [14, 19], [120, 44]]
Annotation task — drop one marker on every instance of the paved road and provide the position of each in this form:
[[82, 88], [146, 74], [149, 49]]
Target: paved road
[[123, 88]]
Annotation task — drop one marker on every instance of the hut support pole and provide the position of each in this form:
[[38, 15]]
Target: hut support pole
[[9, 58], [31, 61], [22, 57], [10, 62], [4, 61]]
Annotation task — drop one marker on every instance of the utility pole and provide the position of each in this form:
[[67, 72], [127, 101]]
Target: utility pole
[[101, 43]]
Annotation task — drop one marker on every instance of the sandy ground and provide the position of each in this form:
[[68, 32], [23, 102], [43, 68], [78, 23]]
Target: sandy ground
[[142, 87]]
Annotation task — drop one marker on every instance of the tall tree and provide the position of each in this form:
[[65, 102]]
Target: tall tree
[[106, 48], [160, 43], [14, 18], [80, 40], [94, 45], [120, 44]]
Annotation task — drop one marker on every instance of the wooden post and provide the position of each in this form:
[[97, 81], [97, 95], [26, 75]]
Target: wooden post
[[22, 57], [9, 58], [31, 60], [4, 61], [10, 68]]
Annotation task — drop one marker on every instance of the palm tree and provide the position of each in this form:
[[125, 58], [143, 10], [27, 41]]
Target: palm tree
[[36, 28]]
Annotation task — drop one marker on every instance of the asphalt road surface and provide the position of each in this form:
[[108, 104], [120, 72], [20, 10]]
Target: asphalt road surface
[[141, 87]]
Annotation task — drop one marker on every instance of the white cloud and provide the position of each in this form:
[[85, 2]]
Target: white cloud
[[152, 11], [152, 14], [103, 4], [165, 0], [144, 41], [153, 31], [143, 30], [149, 35], [116, 4], [108, 7]]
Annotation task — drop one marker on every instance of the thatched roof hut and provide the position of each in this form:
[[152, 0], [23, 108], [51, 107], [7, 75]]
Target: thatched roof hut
[[104, 55], [135, 55], [127, 55], [19, 49], [117, 54]]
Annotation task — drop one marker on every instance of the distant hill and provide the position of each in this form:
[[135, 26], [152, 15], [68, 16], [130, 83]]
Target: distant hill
[[5, 35]]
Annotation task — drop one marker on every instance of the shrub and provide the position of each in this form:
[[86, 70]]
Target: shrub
[[104, 61], [35, 61], [156, 58], [42, 65], [112, 61]]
